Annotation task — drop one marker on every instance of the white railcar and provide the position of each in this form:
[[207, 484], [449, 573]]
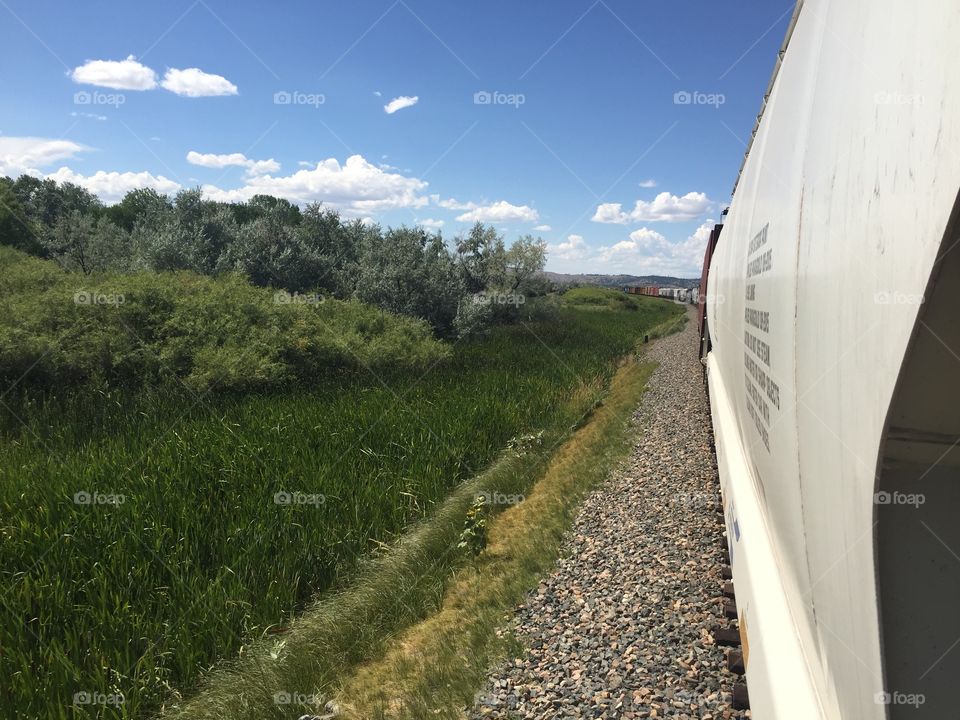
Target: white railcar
[[831, 306]]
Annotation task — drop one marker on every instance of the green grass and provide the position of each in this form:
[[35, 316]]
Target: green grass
[[140, 597], [435, 668], [607, 298]]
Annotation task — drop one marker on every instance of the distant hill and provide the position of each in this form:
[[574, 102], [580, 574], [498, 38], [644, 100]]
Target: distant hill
[[621, 280]]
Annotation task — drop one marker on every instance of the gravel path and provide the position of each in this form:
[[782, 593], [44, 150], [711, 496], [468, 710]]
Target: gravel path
[[621, 628]]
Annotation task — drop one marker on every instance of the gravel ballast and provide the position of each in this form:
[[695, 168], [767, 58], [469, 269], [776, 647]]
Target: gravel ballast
[[622, 626]]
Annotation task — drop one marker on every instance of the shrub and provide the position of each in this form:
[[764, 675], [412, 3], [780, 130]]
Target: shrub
[[213, 334]]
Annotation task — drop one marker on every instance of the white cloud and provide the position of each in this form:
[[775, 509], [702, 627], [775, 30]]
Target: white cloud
[[610, 213], [92, 116], [642, 243], [117, 74], [648, 252], [543, 228], [500, 212], [112, 186], [212, 160], [651, 183], [399, 103], [19, 155], [194, 82], [378, 93], [701, 235], [452, 203], [664, 208], [430, 223], [573, 248], [356, 188]]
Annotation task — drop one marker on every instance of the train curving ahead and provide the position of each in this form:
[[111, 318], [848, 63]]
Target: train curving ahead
[[831, 341]]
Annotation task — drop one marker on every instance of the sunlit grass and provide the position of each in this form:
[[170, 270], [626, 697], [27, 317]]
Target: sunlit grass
[[181, 549]]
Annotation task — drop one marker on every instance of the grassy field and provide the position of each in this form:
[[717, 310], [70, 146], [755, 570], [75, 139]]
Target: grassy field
[[146, 535], [437, 666]]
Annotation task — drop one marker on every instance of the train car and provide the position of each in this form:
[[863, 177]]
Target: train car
[[702, 291], [832, 348]]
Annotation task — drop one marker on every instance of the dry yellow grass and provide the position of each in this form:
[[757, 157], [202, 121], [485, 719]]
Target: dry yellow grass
[[435, 667]]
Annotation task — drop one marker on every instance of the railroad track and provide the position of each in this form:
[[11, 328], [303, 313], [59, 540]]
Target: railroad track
[[633, 621]]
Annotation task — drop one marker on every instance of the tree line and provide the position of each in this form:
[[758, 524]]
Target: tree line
[[458, 287]]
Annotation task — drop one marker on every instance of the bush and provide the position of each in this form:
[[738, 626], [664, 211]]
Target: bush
[[601, 297], [59, 328]]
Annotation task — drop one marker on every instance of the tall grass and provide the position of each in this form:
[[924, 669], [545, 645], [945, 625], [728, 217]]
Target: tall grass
[[145, 536]]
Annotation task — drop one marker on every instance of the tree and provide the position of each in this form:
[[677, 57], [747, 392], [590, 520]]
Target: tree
[[480, 257], [136, 205], [17, 229], [334, 246], [45, 201], [287, 212], [270, 253], [524, 261], [81, 242], [412, 273], [189, 234]]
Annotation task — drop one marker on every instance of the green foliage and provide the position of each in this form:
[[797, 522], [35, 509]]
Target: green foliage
[[137, 205], [83, 243], [524, 261], [212, 334], [481, 258], [17, 229], [473, 537], [199, 556], [275, 244], [410, 272], [609, 298]]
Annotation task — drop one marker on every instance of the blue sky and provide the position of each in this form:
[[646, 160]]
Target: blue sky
[[558, 119]]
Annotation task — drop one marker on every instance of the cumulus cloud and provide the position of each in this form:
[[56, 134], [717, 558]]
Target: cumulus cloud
[[19, 155], [112, 186], [500, 212], [194, 82], [430, 223], [664, 208], [643, 243], [543, 228], [212, 160], [651, 183], [701, 235], [399, 103], [126, 74], [356, 188], [573, 248], [648, 252], [451, 203]]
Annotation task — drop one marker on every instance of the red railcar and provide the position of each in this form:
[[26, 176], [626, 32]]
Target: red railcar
[[702, 309]]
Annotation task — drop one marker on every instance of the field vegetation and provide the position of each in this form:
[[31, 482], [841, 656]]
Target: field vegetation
[[192, 455]]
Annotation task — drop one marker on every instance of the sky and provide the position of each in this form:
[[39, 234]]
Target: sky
[[612, 129]]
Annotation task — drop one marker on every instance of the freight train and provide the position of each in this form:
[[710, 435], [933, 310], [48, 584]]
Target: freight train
[[831, 341], [680, 295]]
